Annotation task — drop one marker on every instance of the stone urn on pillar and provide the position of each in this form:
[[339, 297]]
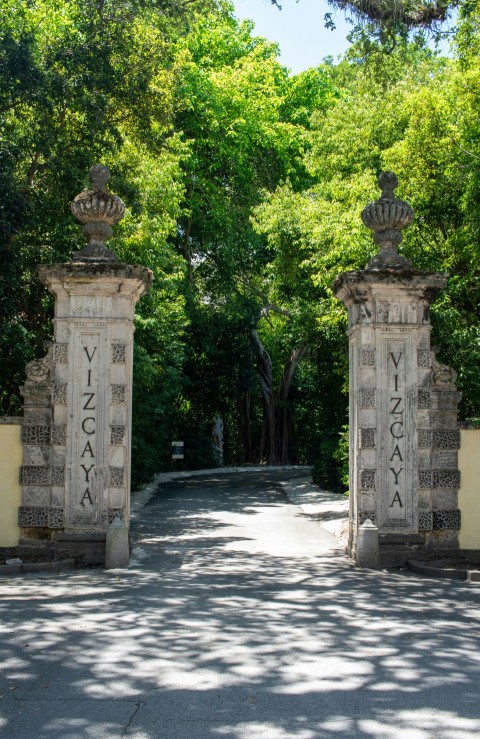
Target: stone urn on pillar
[[81, 481], [404, 437]]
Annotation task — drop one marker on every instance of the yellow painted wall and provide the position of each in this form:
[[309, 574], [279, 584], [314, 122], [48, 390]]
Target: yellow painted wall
[[10, 461], [469, 493]]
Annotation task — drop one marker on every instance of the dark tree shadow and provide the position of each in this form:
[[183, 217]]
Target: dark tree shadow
[[206, 637]]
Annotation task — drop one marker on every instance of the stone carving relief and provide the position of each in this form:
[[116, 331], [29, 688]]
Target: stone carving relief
[[367, 438], [446, 478], [40, 516], [446, 519], [55, 518], [439, 479], [118, 352], [60, 393], [438, 439], [33, 516], [368, 357], [58, 476], [425, 520], [446, 439], [423, 358], [119, 394], [367, 480], [443, 376], [424, 399], [59, 435], [60, 353], [382, 312], [33, 434], [424, 438], [116, 476], [117, 435], [34, 475], [367, 397], [40, 370]]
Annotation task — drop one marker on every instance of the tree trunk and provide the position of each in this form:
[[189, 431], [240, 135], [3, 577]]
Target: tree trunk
[[244, 424], [264, 365], [275, 439], [283, 412]]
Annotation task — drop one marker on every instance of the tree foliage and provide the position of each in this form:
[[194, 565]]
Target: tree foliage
[[244, 187]]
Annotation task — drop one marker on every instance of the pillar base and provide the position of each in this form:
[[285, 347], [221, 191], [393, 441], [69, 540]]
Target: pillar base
[[85, 547]]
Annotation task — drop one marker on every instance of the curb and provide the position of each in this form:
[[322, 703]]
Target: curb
[[448, 573], [29, 567]]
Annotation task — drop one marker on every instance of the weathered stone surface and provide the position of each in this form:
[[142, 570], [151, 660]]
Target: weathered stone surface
[[116, 476], [118, 352], [368, 357], [36, 455], [119, 394], [387, 217], [449, 519], [446, 439], [35, 475], [365, 516], [94, 310], [98, 210], [77, 400], [423, 358], [60, 392], [117, 434], [441, 539], [36, 516], [59, 435], [367, 480], [424, 438], [367, 397], [35, 496], [425, 520], [33, 434], [403, 402], [116, 546], [60, 353], [367, 438], [368, 553]]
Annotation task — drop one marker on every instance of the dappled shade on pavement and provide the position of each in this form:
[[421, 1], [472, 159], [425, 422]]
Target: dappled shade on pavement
[[237, 618]]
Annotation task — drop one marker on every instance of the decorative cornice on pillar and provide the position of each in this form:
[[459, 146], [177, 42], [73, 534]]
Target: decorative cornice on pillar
[[98, 210], [358, 286], [387, 217], [78, 276]]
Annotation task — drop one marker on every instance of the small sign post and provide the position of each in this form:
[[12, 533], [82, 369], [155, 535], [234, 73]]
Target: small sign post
[[177, 450]]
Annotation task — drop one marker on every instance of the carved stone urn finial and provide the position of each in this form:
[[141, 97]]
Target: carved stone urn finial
[[387, 217], [98, 210]]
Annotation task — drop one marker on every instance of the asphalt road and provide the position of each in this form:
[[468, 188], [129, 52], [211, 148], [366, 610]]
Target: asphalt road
[[237, 618]]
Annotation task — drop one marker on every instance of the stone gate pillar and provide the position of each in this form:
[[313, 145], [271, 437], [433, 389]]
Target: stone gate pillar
[[403, 405], [76, 472]]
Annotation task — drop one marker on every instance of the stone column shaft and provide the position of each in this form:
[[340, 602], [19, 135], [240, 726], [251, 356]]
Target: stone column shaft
[[403, 403], [92, 375], [389, 332]]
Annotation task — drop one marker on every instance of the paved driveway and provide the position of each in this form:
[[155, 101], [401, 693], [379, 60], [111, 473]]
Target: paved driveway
[[237, 618]]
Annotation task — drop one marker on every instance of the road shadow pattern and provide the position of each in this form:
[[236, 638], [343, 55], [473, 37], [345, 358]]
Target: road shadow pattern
[[203, 638]]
